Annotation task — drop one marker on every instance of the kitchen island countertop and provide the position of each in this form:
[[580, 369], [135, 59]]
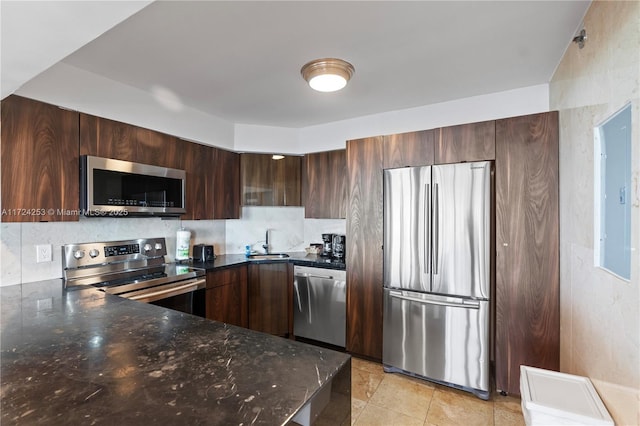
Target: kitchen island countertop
[[85, 357]]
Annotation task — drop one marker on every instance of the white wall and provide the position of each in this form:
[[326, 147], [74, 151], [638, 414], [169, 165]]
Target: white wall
[[599, 313], [511, 103], [330, 136], [35, 35], [80, 90], [266, 139]]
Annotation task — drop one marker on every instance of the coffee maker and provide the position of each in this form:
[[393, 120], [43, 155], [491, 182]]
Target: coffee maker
[[333, 246], [338, 246], [327, 245]]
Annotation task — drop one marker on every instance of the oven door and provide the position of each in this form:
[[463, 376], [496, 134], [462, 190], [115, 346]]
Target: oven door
[[190, 303], [185, 296]]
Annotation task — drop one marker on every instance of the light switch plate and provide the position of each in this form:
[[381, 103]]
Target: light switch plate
[[43, 253]]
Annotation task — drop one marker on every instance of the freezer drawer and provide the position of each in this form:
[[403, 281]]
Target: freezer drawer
[[320, 304], [443, 339]]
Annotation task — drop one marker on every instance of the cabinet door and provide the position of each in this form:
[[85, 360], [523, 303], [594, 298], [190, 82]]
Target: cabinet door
[[269, 182], [409, 149], [466, 142], [256, 174], [40, 162], [159, 149], [225, 175], [107, 138], [527, 247], [287, 176], [269, 302], [364, 247], [324, 184], [197, 163], [227, 296]]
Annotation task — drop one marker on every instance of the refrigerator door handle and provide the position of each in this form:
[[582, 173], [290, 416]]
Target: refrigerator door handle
[[436, 229], [467, 304], [427, 229]]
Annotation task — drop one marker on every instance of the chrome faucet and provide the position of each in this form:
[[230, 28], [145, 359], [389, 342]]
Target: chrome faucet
[[265, 246]]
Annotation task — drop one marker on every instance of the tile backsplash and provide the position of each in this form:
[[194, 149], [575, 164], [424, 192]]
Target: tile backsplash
[[288, 231]]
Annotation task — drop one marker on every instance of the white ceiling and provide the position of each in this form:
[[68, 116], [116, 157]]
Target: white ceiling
[[241, 60]]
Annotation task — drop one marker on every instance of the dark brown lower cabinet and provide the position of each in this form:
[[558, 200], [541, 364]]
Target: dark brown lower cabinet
[[270, 298], [364, 247], [527, 247], [226, 296]]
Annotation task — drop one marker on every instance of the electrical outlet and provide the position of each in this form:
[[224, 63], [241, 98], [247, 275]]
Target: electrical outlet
[[43, 253]]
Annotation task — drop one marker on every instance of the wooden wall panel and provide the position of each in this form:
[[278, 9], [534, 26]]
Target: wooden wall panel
[[527, 247], [364, 247], [40, 161]]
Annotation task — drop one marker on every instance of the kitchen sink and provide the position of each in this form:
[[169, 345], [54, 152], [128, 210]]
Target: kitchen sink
[[270, 256]]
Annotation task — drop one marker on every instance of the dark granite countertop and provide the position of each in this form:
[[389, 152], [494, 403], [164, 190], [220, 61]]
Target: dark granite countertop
[[297, 258], [86, 357]]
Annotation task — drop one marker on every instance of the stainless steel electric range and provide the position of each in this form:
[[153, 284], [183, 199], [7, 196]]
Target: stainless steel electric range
[[136, 270]]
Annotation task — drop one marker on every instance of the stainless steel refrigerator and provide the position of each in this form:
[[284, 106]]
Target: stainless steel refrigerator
[[437, 274]]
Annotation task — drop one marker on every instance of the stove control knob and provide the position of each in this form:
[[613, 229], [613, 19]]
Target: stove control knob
[[147, 247], [93, 253], [79, 254], [158, 246]]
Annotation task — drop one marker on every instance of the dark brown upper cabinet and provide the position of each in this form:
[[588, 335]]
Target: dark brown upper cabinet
[[40, 161], [199, 197], [527, 247], [225, 176], [101, 137], [409, 149], [159, 149], [112, 139], [324, 184], [466, 142], [266, 181]]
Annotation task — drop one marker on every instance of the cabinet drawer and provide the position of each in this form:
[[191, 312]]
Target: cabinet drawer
[[226, 276]]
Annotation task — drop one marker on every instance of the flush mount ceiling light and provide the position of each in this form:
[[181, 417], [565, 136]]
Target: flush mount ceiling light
[[328, 74]]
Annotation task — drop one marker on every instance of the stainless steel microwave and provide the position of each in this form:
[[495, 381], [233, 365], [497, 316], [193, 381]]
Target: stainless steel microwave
[[117, 188]]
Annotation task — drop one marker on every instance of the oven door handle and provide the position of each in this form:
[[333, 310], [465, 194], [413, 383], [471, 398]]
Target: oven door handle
[[187, 287]]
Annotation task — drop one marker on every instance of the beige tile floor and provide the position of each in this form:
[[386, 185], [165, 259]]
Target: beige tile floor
[[379, 398]]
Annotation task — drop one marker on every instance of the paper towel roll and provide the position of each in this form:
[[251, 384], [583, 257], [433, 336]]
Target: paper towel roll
[[183, 239]]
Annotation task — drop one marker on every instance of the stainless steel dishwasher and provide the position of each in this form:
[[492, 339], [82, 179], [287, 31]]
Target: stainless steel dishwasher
[[320, 299]]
